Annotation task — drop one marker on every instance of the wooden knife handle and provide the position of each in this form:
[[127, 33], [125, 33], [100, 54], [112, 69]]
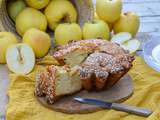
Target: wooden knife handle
[[132, 109]]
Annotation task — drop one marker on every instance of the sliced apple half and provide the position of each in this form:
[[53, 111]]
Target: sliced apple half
[[121, 37], [20, 58], [132, 45]]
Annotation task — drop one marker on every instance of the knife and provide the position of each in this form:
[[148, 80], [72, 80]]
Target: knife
[[116, 106]]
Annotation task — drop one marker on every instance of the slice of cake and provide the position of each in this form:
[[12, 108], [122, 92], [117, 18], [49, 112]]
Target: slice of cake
[[56, 82]]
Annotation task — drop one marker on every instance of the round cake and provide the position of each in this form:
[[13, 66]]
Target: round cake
[[93, 65]]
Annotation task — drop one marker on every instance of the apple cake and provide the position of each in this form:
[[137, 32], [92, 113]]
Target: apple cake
[[57, 81], [86, 64]]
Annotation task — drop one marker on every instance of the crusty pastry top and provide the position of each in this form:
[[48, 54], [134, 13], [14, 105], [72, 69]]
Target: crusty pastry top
[[90, 46]]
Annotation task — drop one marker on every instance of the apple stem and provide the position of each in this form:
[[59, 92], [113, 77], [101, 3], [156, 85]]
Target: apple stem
[[65, 19]]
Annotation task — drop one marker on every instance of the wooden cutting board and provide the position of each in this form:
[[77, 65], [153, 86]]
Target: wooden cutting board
[[118, 93]]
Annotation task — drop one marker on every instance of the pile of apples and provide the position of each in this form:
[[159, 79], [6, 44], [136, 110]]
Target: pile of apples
[[33, 18], [123, 25]]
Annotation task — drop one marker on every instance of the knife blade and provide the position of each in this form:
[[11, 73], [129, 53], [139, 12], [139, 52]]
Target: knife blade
[[116, 106]]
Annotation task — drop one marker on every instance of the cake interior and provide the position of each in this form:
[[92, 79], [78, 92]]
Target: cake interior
[[75, 58], [67, 82]]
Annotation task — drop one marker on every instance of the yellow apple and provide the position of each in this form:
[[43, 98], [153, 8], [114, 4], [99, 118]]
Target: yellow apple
[[20, 58], [6, 39], [30, 18], [38, 40], [59, 11], [110, 25], [109, 10], [37, 4], [128, 22], [96, 29], [15, 7], [67, 32]]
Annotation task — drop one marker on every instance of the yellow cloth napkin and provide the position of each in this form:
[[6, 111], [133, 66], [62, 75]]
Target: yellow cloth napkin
[[24, 106]]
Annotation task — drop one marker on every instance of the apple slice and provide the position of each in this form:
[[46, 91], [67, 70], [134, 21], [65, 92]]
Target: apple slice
[[132, 45], [20, 58], [156, 53], [121, 37]]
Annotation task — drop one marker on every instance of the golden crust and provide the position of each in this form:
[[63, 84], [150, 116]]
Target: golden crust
[[88, 46], [102, 70], [45, 84]]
